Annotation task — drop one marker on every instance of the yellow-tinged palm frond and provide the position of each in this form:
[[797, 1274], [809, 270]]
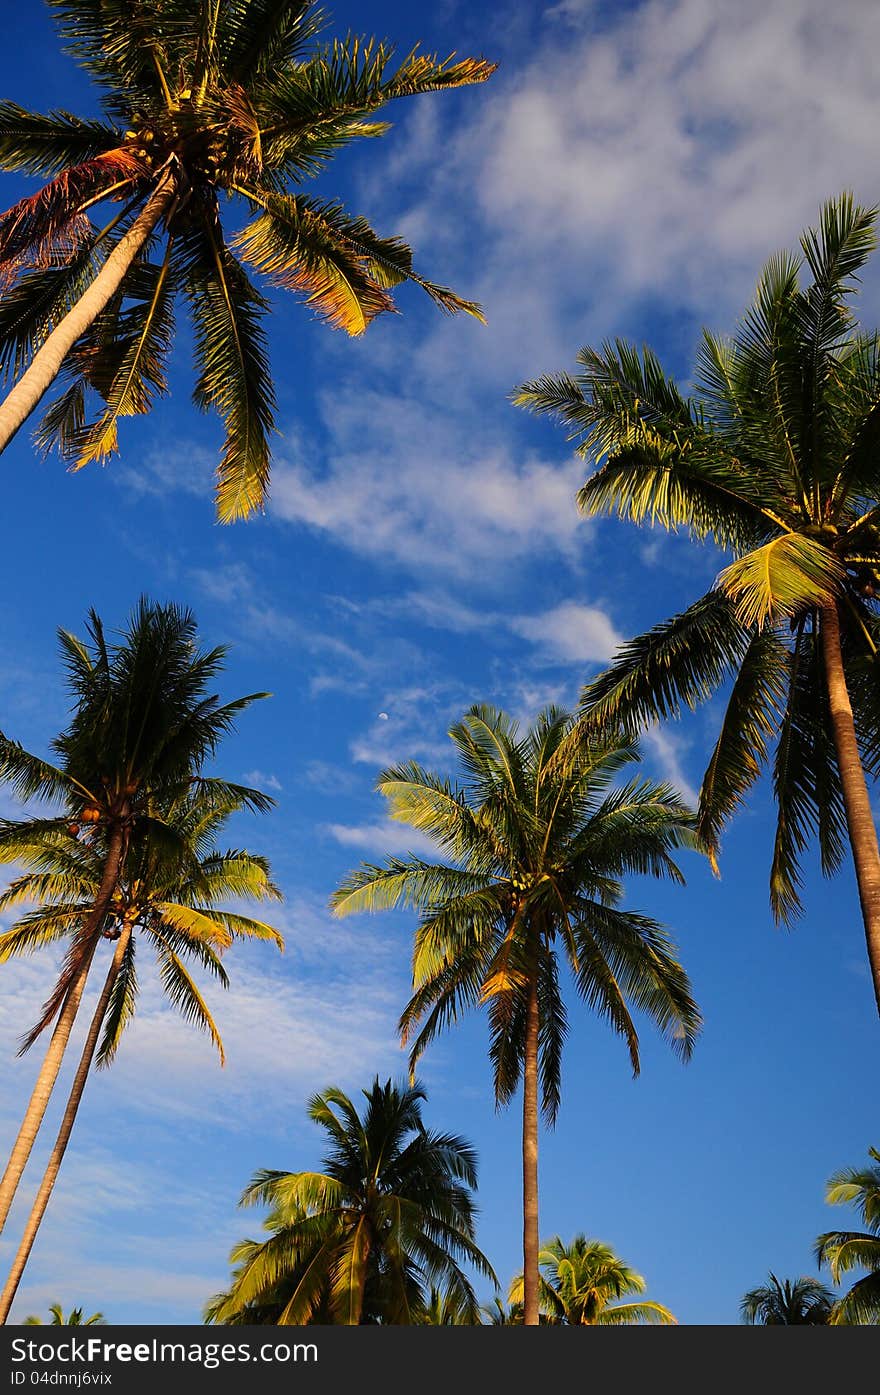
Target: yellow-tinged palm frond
[[845, 1250], [300, 246], [184, 994], [196, 924], [785, 577], [234, 378], [246, 927], [39, 928], [138, 372], [632, 1314]]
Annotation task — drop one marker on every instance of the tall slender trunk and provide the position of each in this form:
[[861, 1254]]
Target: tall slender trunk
[[46, 362], [41, 1200], [39, 1100], [530, 1160], [859, 819]]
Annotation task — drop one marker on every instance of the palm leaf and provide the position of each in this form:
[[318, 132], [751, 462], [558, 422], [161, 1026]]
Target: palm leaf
[[781, 579], [31, 143], [234, 375]]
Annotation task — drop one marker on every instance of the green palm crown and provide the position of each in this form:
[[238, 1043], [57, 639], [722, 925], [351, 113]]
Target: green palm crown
[[581, 1282], [372, 1238], [538, 839], [774, 458], [204, 101], [845, 1251]]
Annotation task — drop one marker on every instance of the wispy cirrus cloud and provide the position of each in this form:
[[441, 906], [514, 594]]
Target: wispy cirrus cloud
[[383, 836], [402, 483], [648, 156]]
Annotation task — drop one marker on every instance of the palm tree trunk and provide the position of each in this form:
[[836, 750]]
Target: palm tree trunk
[[39, 1100], [859, 819], [530, 1161], [47, 361], [76, 1092]]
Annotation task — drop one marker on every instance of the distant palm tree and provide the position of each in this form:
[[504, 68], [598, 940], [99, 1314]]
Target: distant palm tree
[[74, 1318], [446, 1309], [144, 723], [495, 1314], [538, 841], [773, 458], [579, 1282], [802, 1302], [846, 1250], [169, 890], [204, 101], [358, 1243]]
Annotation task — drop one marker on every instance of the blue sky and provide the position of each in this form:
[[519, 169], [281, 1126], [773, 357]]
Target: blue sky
[[626, 171]]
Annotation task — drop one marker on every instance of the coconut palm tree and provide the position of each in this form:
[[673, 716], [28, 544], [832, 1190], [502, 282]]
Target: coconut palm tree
[[802, 1302], [846, 1250], [74, 1318], [446, 1309], [144, 723], [204, 100], [774, 458], [169, 892], [359, 1242], [580, 1280], [538, 841], [495, 1314]]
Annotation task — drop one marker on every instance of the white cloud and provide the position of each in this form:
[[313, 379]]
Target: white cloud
[[403, 483], [313, 1016], [186, 468], [647, 156], [570, 633], [413, 725], [258, 779], [383, 836], [668, 751]]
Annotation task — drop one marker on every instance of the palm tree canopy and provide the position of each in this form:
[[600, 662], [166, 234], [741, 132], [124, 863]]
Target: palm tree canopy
[[846, 1250], [579, 1283], [143, 725], [391, 1216], [772, 457], [803, 1302], [202, 100], [538, 839], [75, 1318], [173, 880]]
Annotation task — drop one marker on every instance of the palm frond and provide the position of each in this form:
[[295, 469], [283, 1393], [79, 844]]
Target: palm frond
[[31, 143], [786, 576], [234, 376]]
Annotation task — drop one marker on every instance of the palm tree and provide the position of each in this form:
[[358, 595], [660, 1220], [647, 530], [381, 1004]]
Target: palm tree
[[74, 1318], [391, 1213], [802, 1302], [446, 1309], [143, 725], [578, 1282], [774, 458], [202, 99], [169, 890], [496, 1315], [538, 841], [846, 1250]]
